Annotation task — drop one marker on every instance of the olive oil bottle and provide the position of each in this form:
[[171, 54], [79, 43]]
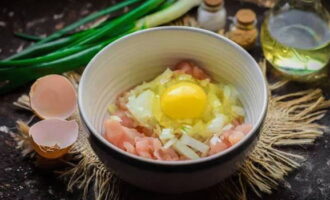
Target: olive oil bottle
[[295, 38]]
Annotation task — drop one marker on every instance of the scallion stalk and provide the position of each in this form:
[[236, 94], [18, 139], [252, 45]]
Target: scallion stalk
[[11, 78], [75, 25], [47, 58], [166, 15], [89, 43], [128, 18], [28, 37], [87, 19], [42, 49]]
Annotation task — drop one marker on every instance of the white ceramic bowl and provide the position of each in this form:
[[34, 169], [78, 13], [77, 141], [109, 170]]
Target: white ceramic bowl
[[143, 55]]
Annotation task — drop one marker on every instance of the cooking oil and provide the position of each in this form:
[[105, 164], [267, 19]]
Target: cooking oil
[[297, 43]]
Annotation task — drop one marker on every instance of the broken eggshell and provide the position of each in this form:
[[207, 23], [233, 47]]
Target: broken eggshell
[[53, 96], [52, 138]]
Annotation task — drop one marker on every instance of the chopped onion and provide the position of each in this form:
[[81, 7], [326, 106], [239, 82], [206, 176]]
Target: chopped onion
[[112, 108], [234, 92], [226, 92], [185, 150], [230, 93], [170, 143], [217, 123], [195, 144], [141, 106], [116, 118], [216, 103], [214, 140], [238, 110], [227, 127], [165, 76], [185, 129], [166, 134], [184, 77]]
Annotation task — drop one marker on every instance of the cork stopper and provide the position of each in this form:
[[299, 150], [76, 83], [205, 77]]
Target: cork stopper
[[213, 3], [246, 16]]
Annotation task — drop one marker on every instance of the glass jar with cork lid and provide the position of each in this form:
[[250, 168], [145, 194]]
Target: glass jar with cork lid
[[211, 15], [243, 30]]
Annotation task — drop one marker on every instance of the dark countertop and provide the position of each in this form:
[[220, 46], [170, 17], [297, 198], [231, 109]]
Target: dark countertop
[[19, 179]]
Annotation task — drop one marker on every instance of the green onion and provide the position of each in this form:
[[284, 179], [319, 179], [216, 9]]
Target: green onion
[[28, 37], [49, 57], [11, 78], [121, 21], [75, 25], [58, 53], [87, 19], [42, 49], [76, 50], [167, 15], [166, 4]]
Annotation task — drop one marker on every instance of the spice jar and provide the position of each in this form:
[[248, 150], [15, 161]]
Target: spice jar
[[243, 31], [211, 15]]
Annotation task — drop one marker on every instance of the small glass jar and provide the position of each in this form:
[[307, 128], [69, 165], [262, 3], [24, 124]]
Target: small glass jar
[[211, 15], [243, 30]]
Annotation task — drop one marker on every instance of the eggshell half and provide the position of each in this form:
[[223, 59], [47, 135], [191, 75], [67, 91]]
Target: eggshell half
[[53, 96], [52, 138]]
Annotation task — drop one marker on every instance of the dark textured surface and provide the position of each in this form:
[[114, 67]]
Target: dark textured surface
[[19, 179]]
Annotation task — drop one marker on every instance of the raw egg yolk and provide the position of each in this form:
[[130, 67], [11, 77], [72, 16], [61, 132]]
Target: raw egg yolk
[[183, 100]]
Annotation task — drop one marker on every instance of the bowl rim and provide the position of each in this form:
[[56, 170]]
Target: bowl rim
[[216, 156]]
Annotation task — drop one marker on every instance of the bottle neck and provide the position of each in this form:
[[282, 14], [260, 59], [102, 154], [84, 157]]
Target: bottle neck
[[314, 6], [300, 4]]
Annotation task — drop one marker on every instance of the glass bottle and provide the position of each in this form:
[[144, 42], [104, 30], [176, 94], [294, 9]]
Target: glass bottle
[[243, 30], [211, 15], [295, 38]]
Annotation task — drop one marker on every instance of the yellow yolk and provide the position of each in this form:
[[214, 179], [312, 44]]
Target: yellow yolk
[[183, 100]]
